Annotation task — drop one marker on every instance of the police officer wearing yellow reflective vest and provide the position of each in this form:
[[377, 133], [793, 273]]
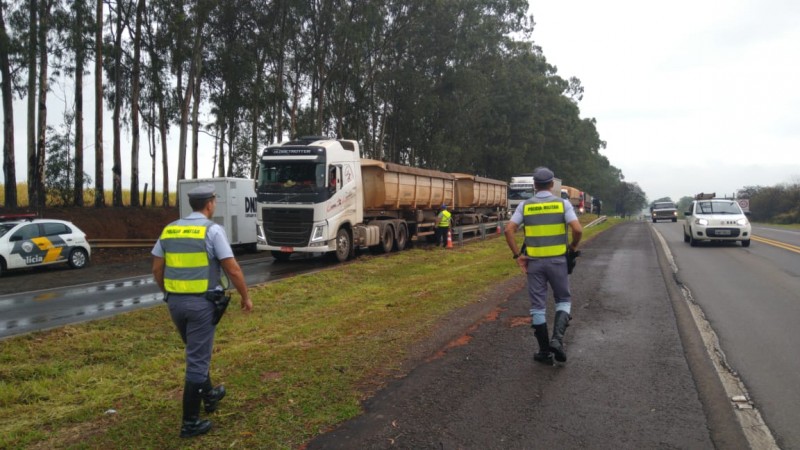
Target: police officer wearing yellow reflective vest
[[186, 265], [545, 218], [442, 226]]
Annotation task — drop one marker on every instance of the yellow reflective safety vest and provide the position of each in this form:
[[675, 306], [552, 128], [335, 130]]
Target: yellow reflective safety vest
[[445, 222], [545, 227], [187, 268]]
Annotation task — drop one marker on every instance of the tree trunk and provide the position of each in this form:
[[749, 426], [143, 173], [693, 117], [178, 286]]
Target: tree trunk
[[135, 88], [42, 119], [33, 34], [162, 126], [221, 157], [80, 60], [116, 169], [194, 69], [195, 127], [231, 144], [9, 169], [151, 132], [99, 189]]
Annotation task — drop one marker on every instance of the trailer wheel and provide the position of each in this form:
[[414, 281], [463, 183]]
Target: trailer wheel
[[387, 239], [344, 245], [402, 238]]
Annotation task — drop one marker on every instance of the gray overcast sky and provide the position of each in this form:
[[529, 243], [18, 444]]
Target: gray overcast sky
[[690, 96]]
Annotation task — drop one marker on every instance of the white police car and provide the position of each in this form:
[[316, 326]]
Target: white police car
[[29, 242], [716, 220]]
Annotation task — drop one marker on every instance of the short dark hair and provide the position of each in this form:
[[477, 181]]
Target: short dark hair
[[198, 204], [540, 186]]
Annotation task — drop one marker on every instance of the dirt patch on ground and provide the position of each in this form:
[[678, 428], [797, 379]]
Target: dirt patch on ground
[[116, 223]]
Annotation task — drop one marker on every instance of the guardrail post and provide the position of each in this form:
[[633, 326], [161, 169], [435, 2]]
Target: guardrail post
[[483, 231], [460, 236]]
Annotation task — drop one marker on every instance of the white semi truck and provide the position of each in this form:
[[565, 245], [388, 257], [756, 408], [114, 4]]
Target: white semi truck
[[521, 189], [317, 195]]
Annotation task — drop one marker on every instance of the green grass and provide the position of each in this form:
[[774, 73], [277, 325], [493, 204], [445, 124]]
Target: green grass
[[315, 346]]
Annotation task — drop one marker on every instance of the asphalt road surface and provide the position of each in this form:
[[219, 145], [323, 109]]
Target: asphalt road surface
[[751, 297], [627, 382], [28, 311]]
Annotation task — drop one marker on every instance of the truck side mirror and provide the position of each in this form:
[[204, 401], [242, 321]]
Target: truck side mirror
[[687, 213]]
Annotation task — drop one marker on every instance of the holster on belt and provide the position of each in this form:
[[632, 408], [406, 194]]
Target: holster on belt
[[220, 299], [572, 259]]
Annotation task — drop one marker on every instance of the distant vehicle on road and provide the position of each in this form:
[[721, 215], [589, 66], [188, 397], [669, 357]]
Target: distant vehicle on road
[[28, 242], [716, 220], [663, 211]]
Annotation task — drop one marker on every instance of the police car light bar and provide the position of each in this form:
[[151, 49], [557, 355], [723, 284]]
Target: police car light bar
[[25, 216]]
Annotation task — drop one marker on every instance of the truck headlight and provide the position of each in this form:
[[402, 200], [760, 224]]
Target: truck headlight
[[742, 222], [702, 222], [318, 234]]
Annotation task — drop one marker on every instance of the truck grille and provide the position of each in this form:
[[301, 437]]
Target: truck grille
[[722, 232], [287, 227]]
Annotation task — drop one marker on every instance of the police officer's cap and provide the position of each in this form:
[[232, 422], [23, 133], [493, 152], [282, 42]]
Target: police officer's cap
[[202, 192], [542, 175], [444, 205]]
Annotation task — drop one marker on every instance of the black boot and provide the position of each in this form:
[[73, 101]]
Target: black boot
[[192, 425], [212, 395], [544, 355], [560, 325]]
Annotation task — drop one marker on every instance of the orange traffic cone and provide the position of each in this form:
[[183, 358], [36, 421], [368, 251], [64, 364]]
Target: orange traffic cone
[[499, 231], [449, 238]]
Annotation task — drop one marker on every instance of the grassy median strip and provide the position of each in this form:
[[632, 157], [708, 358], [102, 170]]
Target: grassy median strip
[[314, 347]]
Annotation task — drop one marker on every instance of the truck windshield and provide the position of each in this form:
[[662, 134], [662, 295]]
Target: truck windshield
[[520, 194], [664, 206], [292, 182]]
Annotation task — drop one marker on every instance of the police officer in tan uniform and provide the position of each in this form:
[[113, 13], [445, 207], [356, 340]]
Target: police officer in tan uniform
[[188, 261], [545, 219]]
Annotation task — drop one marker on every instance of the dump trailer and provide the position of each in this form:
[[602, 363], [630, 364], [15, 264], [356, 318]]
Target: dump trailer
[[317, 195]]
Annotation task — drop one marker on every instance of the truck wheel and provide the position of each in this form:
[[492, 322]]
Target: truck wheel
[[746, 243], [402, 238], [280, 256], [387, 239], [685, 236], [344, 245]]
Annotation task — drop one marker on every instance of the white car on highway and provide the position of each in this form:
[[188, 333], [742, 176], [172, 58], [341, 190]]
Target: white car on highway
[[716, 220], [29, 242]]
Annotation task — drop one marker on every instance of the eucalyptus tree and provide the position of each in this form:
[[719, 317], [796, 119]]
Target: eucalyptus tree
[[80, 25], [99, 188], [135, 97], [33, 42], [200, 12], [9, 52], [118, 76]]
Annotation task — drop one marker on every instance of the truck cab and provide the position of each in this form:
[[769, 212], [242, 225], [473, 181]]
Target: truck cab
[[308, 189]]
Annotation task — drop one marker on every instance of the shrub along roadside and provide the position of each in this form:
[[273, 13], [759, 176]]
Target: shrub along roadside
[[313, 348]]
